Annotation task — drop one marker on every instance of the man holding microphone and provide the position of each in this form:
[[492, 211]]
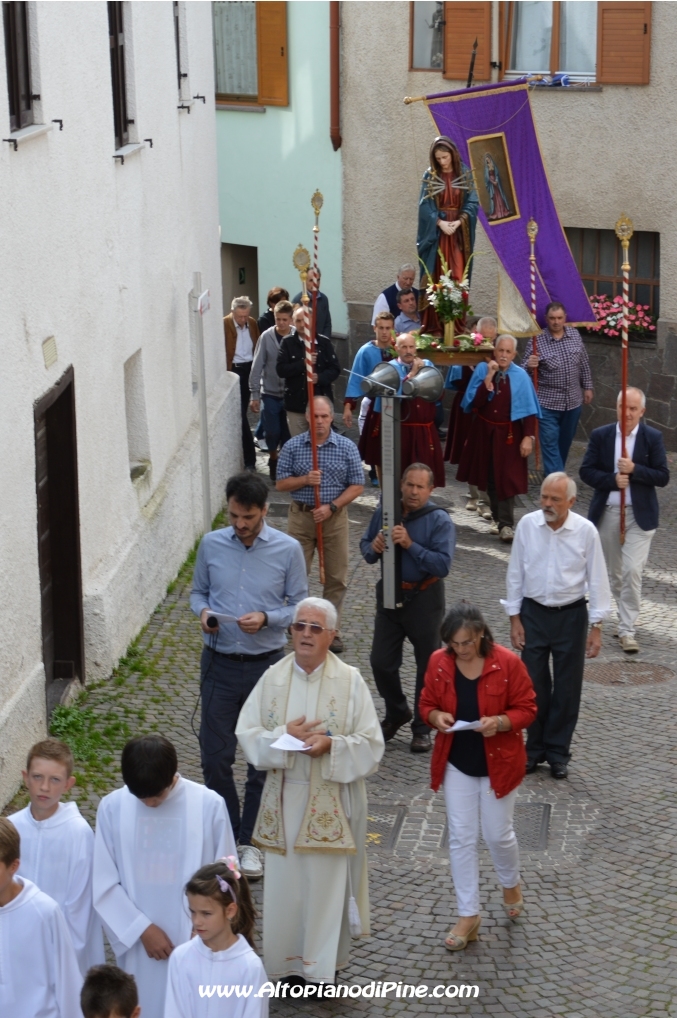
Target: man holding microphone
[[252, 576]]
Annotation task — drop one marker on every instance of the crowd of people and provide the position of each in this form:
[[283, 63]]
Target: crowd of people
[[166, 872]]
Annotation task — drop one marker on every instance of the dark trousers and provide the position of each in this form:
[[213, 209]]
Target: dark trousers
[[561, 634], [275, 422], [419, 620], [248, 448], [502, 510], [225, 686], [556, 432]]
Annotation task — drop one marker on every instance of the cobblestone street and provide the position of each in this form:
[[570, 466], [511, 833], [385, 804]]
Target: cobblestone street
[[599, 933]]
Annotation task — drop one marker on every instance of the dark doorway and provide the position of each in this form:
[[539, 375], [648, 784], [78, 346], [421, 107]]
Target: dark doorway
[[56, 476], [240, 275]]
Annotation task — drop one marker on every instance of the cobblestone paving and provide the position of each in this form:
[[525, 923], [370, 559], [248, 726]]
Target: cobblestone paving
[[599, 933]]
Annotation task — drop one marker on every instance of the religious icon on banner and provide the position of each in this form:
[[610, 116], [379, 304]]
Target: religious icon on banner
[[492, 173]]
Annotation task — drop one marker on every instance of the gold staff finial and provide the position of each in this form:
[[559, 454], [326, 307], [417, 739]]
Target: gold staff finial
[[317, 201], [532, 230], [301, 261], [624, 231]]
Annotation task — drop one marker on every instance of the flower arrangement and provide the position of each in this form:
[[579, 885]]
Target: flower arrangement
[[460, 344], [448, 297], [609, 315]]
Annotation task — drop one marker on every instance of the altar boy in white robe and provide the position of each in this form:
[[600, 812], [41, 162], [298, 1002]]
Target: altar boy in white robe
[[151, 836], [312, 820], [39, 974], [57, 846]]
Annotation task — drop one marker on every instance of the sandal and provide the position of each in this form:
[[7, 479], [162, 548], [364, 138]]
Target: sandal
[[514, 909], [454, 942]]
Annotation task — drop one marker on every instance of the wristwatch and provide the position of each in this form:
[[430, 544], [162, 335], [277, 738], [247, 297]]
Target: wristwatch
[[333, 507], [596, 625]]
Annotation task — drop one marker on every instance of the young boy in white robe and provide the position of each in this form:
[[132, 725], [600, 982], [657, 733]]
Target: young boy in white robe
[[57, 846], [108, 992], [39, 973], [151, 836], [220, 961]]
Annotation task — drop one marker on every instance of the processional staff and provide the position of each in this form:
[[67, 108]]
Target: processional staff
[[624, 231], [532, 230]]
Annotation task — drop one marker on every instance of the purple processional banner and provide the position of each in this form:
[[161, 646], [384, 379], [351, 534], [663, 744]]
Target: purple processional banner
[[493, 129]]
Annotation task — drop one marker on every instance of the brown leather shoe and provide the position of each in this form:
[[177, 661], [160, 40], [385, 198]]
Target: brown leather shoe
[[391, 728], [421, 743]]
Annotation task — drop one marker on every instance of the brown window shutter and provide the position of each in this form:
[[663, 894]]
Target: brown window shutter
[[271, 43], [623, 43], [463, 23]]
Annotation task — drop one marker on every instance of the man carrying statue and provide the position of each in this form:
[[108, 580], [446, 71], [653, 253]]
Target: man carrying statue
[[312, 821]]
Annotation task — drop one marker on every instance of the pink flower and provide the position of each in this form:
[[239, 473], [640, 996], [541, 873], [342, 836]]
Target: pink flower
[[653, 328]]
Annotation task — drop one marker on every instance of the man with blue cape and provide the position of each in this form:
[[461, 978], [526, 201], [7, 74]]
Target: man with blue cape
[[502, 399]]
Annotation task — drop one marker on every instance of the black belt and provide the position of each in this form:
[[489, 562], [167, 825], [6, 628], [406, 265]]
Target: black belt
[[249, 657], [556, 607], [304, 507]]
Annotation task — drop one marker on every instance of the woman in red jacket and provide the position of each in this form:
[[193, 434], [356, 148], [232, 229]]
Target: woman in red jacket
[[476, 681]]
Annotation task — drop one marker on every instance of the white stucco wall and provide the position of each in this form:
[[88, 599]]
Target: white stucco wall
[[271, 163], [101, 256], [605, 152]]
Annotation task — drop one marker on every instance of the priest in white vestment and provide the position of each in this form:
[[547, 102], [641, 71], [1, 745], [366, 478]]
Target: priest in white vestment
[[146, 848], [312, 821]]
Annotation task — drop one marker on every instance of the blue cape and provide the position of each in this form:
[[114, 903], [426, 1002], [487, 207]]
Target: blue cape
[[403, 371], [523, 399], [454, 375], [366, 359]]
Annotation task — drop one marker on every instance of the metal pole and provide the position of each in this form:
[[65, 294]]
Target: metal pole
[[532, 230], [202, 405], [624, 231], [391, 502]]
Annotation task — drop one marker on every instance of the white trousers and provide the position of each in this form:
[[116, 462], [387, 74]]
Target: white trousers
[[625, 563], [468, 801]]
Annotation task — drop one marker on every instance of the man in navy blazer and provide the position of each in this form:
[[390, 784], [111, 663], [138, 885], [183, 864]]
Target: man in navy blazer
[[643, 469]]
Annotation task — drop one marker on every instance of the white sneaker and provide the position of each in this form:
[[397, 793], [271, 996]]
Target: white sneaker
[[507, 534], [484, 511], [628, 644], [493, 529], [251, 862], [471, 505]]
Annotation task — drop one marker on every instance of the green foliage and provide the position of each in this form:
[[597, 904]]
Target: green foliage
[[90, 736]]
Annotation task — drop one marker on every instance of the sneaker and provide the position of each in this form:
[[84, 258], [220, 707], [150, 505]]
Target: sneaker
[[251, 862], [628, 644], [507, 534], [493, 529], [471, 505], [484, 511]]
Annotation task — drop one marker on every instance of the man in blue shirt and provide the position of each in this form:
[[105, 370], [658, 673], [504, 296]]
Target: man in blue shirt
[[427, 538], [340, 478], [252, 576]]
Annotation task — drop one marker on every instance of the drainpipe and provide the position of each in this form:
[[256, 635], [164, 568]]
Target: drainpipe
[[335, 74]]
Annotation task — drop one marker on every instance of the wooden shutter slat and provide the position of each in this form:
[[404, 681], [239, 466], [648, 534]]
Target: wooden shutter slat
[[271, 46], [623, 43], [463, 23]]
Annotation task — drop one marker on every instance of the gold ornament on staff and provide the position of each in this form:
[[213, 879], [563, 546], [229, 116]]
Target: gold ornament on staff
[[301, 262], [532, 233], [624, 231]]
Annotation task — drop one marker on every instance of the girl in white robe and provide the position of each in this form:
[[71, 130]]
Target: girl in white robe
[[56, 854], [217, 973], [147, 844]]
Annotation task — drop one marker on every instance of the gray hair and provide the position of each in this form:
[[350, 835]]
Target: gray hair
[[330, 405], [240, 302], [632, 388], [487, 320], [320, 604], [506, 335], [406, 267], [559, 475]]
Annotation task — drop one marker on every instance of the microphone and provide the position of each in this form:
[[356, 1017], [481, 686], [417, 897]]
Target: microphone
[[212, 622]]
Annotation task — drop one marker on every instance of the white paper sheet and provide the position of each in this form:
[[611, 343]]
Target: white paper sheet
[[289, 744], [223, 619], [464, 726]]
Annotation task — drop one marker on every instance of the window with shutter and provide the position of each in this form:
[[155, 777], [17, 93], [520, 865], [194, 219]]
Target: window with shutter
[[117, 69], [623, 43], [463, 23], [17, 57], [250, 52]]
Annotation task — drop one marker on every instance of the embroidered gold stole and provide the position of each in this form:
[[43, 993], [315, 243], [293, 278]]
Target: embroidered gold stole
[[325, 827]]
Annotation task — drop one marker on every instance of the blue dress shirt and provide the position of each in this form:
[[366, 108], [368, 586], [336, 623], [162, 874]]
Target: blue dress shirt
[[232, 579]]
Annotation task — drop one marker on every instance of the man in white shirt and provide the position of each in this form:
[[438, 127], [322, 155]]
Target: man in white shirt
[[556, 560], [643, 469], [387, 301], [241, 335]]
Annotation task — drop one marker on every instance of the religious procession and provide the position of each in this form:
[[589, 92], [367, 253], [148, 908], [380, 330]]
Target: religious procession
[[349, 667]]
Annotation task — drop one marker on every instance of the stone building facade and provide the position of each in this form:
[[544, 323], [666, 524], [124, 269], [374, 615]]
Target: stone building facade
[[605, 147], [109, 204]]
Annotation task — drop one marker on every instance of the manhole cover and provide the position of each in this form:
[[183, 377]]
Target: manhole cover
[[531, 822], [627, 673], [384, 826]]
